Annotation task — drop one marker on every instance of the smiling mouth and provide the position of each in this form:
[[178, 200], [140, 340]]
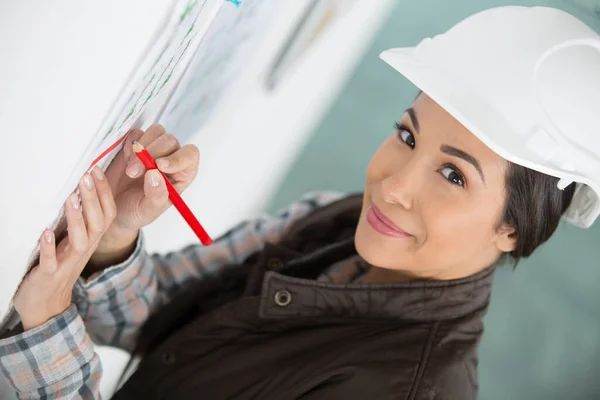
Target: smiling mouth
[[382, 224]]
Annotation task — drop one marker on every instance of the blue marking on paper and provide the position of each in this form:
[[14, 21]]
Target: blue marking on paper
[[236, 2]]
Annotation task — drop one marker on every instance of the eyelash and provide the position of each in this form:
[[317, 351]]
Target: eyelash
[[461, 178]]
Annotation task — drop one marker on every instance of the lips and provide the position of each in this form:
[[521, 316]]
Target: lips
[[382, 224]]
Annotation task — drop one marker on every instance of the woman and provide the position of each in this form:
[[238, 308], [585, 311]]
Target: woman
[[378, 295]]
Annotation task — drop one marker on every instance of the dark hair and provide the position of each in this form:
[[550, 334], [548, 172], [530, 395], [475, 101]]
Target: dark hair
[[534, 206]]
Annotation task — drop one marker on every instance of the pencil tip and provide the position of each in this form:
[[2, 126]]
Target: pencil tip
[[137, 147], [133, 141]]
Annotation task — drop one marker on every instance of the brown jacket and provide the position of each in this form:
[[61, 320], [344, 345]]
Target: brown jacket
[[268, 330]]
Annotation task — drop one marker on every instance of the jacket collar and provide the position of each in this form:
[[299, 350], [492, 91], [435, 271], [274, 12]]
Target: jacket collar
[[425, 301]]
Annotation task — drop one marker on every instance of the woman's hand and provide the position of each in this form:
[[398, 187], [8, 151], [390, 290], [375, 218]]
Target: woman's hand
[[141, 196], [46, 290]]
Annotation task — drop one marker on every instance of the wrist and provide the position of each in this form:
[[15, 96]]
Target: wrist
[[32, 321], [115, 240], [114, 248]]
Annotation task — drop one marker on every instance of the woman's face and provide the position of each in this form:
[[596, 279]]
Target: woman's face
[[433, 199]]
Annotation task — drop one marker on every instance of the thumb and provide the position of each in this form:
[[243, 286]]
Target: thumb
[[156, 196]]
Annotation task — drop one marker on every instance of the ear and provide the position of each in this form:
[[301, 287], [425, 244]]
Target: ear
[[506, 238]]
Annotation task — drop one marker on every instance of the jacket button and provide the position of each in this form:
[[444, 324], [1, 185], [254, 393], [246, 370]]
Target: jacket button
[[168, 358], [275, 264], [283, 298]]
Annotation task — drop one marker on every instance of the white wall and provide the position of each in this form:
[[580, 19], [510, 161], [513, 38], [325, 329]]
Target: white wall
[[63, 64]]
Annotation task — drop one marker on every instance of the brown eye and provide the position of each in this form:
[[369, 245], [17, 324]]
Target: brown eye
[[453, 176], [407, 137]]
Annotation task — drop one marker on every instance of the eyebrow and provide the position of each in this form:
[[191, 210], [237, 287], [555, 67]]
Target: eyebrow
[[413, 118], [453, 151]]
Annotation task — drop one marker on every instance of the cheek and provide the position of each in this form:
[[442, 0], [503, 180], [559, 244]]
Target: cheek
[[383, 162], [457, 227]]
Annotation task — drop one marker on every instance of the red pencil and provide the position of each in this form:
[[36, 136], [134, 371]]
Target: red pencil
[[175, 198]]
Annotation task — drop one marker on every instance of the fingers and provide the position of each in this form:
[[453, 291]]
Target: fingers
[[92, 211], [145, 138], [156, 196], [62, 250], [48, 263], [105, 196], [77, 232], [156, 142], [186, 157], [152, 133], [98, 204], [88, 216], [182, 166], [163, 146]]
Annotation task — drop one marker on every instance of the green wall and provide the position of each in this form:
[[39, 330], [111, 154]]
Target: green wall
[[542, 338]]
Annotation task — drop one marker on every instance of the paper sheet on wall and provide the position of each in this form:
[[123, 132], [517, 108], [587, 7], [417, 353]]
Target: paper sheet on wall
[[163, 64], [229, 45]]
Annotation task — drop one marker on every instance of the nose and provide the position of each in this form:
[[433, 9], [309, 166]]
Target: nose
[[400, 189]]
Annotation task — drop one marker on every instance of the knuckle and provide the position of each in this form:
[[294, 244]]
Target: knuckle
[[111, 213], [46, 248], [194, 152], [135, 133], [78, 247], [160, 199], [47, 269], [103, 190], [171, 141], [175, 161], [158, 128], [78, 220], [97, 227], [112, 208]]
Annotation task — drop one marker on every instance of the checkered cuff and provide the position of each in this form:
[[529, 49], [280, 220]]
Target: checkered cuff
[[48, 358]]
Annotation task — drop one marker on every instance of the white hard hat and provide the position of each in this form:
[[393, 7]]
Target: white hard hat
[[526, 82]]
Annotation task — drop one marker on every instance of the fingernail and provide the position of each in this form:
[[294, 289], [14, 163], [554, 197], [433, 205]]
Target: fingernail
[[74, 201], [154, 178], [163, 163], [48, 236], [134, 169], [87, 181], [98, 173]]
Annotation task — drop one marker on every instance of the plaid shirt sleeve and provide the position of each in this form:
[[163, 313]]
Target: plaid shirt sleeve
[[57, 360]]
